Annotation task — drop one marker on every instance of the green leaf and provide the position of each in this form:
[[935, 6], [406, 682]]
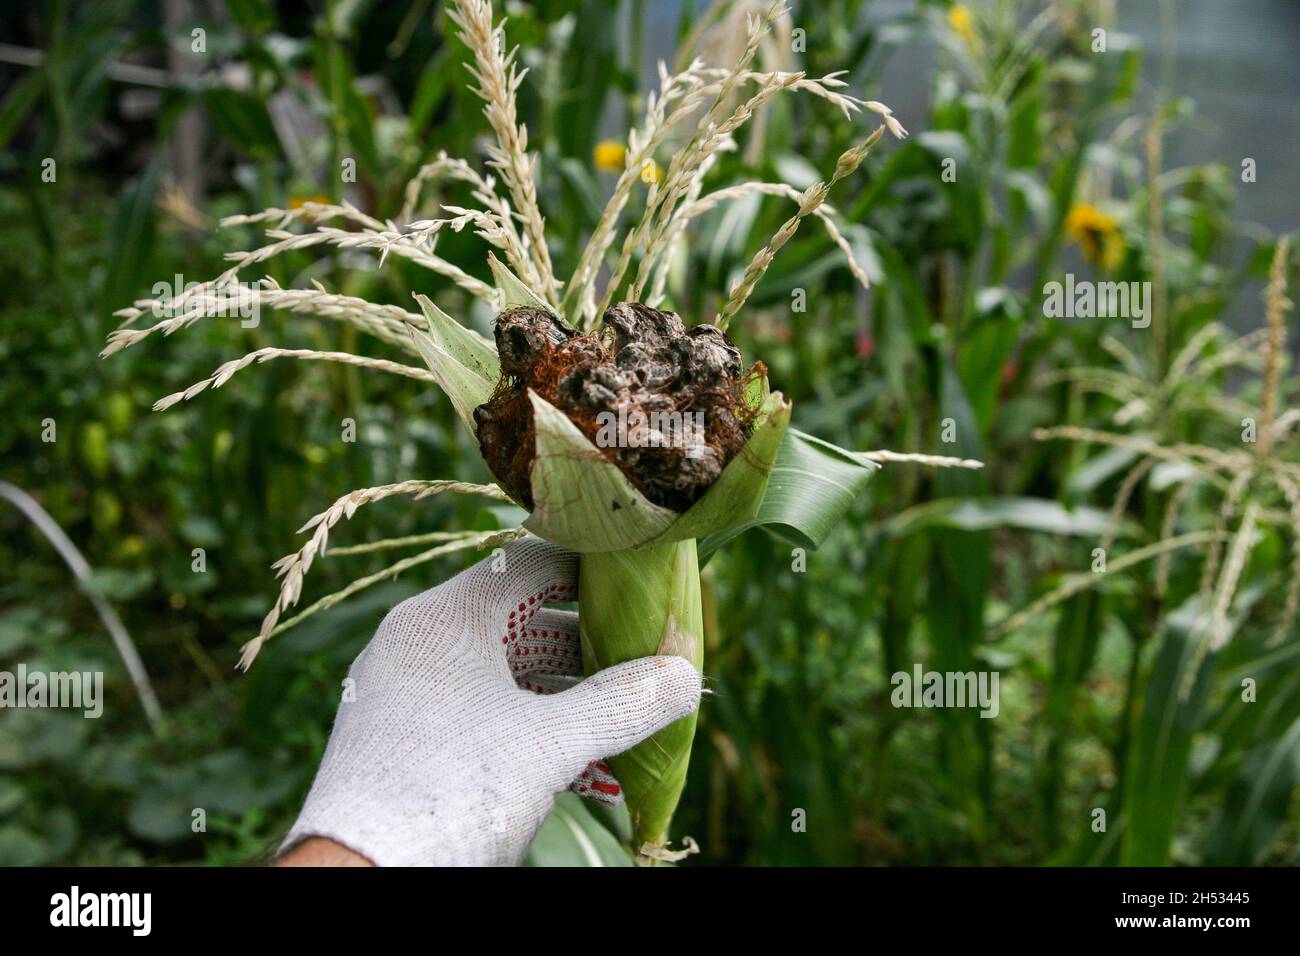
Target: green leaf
[[736, 497], [244, 120], [571, 836], [12, 796], [1157, 771], [514, 294], [956, 597], [984, 514], [582, 187], [811, 486], [430, 92], [20, 847], [116, 584], [729, 234], [24, 845], [28, 626], [200, 530], [1024, 146], [133, 231], [22, 95], [461, 361], [225, 784], [986, 347], [29, 737], [1098, 468], [161, 814], [232, 782], [964, 197], [1074, 649], [1256, 807], [579, 83], [583, 500], [255, 16]]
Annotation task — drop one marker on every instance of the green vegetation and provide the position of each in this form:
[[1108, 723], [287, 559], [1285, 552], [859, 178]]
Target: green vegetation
[[1160, 686]]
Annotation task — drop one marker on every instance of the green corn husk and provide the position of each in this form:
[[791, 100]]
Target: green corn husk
[[639, 576], [632, 604]]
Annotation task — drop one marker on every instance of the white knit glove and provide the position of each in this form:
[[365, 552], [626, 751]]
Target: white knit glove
[[464, 716]]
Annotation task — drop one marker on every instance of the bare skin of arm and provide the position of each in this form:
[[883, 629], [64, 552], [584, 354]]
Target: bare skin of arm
[[318, 851]]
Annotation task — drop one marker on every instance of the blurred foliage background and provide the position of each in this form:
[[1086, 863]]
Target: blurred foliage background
[[1110, 699]]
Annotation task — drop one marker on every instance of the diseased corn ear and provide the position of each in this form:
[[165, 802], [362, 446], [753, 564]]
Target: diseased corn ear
[[463, 362], [585, 502], [736, 496], [582, 500]]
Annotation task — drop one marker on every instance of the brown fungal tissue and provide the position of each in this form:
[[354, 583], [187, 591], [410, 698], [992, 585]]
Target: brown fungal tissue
[[663, 402]]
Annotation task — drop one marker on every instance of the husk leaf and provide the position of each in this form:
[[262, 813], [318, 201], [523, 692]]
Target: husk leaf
[[811, 486], [464, 370], [582, 500], [737, 495], [633, 604], [514, 294], [476, 353]]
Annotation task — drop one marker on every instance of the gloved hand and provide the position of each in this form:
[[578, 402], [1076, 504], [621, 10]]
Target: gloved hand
[[465, 715]]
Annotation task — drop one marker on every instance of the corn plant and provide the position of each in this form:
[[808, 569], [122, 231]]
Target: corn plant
[[1247, 496], [1200, 471], [642, 536]]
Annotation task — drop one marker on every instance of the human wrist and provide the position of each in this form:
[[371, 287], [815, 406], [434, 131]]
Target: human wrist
[[320, 851]]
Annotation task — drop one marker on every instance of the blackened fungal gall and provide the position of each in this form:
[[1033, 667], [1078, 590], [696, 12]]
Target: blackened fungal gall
[[522, 334], [663, 402]]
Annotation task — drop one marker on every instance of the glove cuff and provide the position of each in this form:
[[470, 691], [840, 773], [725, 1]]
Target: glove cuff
[[456, 829]]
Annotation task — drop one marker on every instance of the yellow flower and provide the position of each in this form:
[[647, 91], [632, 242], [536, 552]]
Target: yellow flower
[[610, 156], [962, 23], [1096, 232], [297, 202], [130, 547]]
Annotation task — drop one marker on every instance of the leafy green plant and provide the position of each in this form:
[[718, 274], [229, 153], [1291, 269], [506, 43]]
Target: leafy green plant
[[1051, 142], [642, 594]]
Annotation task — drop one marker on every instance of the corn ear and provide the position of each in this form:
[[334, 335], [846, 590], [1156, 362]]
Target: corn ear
[[639, 577], [631, 604], [736, 496], [584, 502]]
